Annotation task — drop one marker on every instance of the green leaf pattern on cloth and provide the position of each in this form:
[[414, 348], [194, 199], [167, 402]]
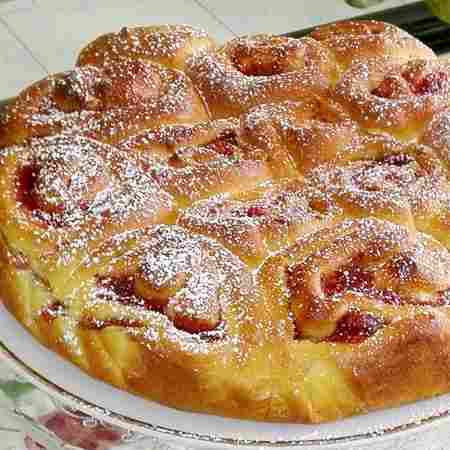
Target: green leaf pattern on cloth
[[30, 419], [15, 389]]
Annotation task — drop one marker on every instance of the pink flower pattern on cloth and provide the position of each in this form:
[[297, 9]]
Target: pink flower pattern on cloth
[[31, 445], [31, 419], [71, 430]]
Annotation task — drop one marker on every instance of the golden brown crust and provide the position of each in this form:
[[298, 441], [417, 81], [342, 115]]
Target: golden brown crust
[[353, 40], [437, 136], [307, 277], [409, 361], [405, 183], [344, 321], [259, 221], [296, 137], [63, 194], [106, 104], [168, 45], [394, 95], [193, 162], [119, 333], [250, 71], [162, 142]]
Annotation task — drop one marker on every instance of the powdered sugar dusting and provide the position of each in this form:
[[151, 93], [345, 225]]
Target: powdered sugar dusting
[[409, 182], [166, 44], [390, 93], [71, 191], [186, 285], [107, 104], [253, 70], [254, 218], [253, 223], [351, 41]]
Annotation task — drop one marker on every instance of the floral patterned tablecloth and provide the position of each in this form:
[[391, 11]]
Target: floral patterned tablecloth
[[32, 420]]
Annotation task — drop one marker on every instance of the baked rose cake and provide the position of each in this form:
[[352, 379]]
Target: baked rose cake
[[257, 230]]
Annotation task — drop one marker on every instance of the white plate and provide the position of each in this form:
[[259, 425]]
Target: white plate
[[63, 380]]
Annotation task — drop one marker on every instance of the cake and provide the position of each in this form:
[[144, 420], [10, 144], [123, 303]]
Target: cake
[[257, 230]]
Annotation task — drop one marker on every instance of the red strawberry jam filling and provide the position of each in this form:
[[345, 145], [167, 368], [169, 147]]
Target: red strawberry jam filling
[[355, 327]]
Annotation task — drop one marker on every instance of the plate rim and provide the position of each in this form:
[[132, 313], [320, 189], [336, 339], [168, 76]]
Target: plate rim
[[150, 430]]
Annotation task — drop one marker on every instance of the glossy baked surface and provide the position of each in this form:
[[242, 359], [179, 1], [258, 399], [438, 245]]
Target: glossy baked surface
[[258, 230]]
